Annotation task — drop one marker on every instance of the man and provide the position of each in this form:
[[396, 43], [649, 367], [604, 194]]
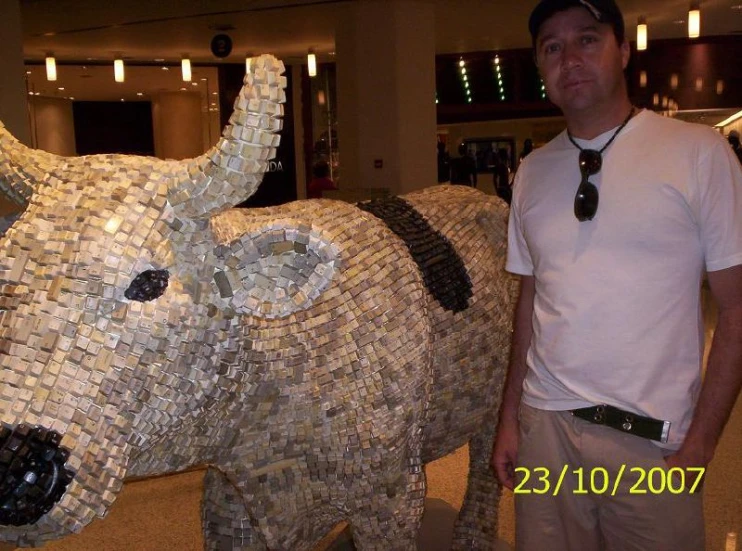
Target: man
[[605, 426], [733, 139], [464, 168]]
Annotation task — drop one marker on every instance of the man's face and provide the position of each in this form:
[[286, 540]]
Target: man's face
[[580, 61]]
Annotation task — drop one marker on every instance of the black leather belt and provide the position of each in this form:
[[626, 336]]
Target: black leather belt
[[625, 421]]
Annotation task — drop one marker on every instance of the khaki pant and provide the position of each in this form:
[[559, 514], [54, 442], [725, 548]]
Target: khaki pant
[[589, 510]]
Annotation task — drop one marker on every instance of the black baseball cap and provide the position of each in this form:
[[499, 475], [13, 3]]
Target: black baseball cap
[[604, 11]]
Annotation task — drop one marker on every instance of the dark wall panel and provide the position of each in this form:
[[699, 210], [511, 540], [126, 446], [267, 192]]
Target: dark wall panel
[[279, 184], [113, 127], [710, 59]]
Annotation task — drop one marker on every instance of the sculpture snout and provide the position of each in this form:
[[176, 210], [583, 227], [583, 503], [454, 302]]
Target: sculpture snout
[[32, 473]]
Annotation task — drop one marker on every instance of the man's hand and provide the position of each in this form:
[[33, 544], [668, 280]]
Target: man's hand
[[505, 451], [685, 459]]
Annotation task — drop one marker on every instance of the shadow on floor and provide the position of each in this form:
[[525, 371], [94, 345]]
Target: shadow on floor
[[436, 530]]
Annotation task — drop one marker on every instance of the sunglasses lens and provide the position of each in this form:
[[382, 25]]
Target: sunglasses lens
[[590, 162], [586, 202]]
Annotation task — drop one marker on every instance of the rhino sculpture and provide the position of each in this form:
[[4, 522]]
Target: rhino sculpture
[[314, 355]]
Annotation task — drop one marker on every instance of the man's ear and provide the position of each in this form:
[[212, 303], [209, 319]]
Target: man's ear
[[625, 53]]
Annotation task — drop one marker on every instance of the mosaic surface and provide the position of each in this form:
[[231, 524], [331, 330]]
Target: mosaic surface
[[314, 355]]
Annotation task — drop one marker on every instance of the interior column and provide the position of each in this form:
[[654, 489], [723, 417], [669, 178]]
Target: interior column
[[386, 95], [13, 105]]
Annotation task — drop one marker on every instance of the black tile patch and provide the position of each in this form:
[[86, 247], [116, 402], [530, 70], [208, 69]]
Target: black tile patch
[[148, 285], [33, 476], [443, 270]]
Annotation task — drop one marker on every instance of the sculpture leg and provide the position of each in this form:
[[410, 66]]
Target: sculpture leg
[[226, 526], [476, 526], [390, 518]]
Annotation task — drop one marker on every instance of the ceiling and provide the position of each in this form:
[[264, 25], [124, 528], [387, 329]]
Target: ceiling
[[161, 32]]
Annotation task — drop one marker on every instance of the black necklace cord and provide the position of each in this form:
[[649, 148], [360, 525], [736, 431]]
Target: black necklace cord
[[609, 142]]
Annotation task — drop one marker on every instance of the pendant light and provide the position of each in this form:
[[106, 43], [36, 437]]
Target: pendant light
[[118, 70], [185, 69], [641, 34], [312, 64], [694, 21], [51, 67]]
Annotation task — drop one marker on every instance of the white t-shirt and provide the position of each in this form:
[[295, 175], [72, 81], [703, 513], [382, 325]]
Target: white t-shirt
[[617, 315]]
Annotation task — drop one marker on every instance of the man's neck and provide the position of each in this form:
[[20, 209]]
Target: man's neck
[[590, 123]]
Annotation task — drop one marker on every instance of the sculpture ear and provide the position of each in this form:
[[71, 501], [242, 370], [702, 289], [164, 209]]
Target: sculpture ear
[[276, 272]]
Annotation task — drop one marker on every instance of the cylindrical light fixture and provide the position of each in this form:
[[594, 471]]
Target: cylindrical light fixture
[[699, 84], [694, 21], [656, 100], [674, 81], [641, 34], [118, 70], [51, 67], [312, 64], [185, 69], [720, 87], [643, 79]]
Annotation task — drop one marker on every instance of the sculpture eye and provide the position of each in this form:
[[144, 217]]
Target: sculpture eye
[[148, 285]]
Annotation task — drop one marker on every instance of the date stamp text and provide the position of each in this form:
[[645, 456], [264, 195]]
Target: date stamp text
[[598, 481]]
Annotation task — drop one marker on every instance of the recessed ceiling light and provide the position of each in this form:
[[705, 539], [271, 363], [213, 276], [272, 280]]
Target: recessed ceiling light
[[159, 60], [61, 88], [122, 99], [166, 68], [214, 93], [30, 93], [182, 89], [28, 72], [72, 98], [203, 79], [140, 94], [194, 83]]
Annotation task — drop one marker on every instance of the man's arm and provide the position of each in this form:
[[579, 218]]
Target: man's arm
[[723, 379], [505, 449]]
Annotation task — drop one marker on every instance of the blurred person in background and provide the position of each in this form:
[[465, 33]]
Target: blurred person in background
[[733, 139], [321, 180], [464, 168], [502, 175]]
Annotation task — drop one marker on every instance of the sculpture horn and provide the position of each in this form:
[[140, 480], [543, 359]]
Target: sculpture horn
[[22, 169], [232, 170]]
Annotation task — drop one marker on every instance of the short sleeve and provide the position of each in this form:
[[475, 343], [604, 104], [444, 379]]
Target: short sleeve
[[719, 206], [519, 257]]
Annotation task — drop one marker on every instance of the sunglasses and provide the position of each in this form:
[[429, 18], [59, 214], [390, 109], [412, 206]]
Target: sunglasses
[[586, 199]]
